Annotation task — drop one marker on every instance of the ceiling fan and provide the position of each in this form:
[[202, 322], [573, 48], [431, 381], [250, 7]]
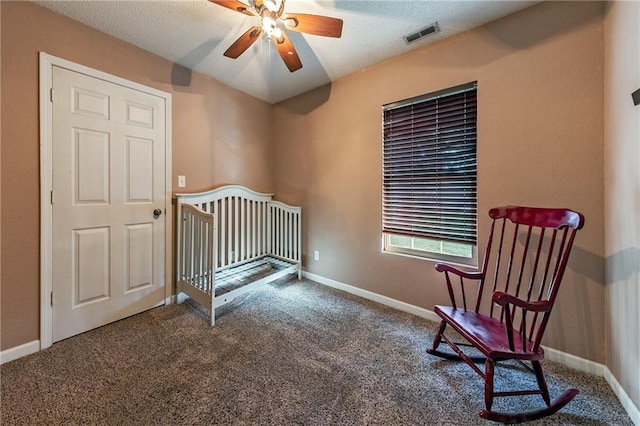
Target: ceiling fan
[[271, 12]]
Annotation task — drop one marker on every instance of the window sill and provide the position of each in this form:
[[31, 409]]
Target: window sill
[[435, 257]]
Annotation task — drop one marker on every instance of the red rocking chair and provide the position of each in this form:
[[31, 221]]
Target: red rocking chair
[[505, 317]]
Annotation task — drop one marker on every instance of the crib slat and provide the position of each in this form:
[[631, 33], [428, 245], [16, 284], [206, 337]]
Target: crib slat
[[249, 231], [266, 230], [294, 231], [280, 225], [235, 230], [260, 227], [194, 258], [269, 248], [201, 247], [192, 254], [190, 248], [289, 235], [277, 230], [242, 231], [280, 242], [179, 242], [211, 257], [253, 227], [215, 220], [197, 256], [299, 238], [185, 246], [283, 232], [229, 230], [212, 279], [205, 256]]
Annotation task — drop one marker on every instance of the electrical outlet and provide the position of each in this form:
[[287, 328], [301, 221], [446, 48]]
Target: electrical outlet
[[316, 255], [182, 181]]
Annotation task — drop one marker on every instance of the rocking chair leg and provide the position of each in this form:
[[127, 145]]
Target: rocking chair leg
[[552, 406], [438, 338], [488, 384], [542, 383]]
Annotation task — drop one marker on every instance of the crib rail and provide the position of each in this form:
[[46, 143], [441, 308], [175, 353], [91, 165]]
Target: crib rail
[[285, 231], [196, 239], [249, 225]]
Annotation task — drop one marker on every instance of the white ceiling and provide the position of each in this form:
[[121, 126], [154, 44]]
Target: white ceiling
[[194, 34]]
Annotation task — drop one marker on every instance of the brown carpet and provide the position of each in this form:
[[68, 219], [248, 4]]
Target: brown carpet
[[290, 353]]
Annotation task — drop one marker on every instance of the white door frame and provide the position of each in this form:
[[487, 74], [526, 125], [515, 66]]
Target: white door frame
[[46, 185]]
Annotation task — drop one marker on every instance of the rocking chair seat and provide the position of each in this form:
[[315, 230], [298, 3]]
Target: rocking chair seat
[[486, 334]]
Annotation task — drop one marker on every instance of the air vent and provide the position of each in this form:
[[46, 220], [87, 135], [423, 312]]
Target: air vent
[[426, 31]]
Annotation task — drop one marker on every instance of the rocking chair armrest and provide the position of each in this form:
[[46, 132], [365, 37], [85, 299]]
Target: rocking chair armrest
[[503, 299], [443, 267]]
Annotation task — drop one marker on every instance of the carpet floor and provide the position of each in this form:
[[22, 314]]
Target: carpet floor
[[290, 353]]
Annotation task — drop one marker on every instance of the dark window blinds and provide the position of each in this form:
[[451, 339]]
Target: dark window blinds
[[429, 166]]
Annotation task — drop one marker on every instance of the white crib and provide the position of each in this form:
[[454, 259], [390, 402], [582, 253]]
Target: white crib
[[232, 239]]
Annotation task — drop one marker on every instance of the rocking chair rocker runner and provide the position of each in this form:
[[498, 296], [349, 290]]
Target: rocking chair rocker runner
[[505, 318]]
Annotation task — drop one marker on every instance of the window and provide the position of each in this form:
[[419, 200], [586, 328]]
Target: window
[[429, 188]]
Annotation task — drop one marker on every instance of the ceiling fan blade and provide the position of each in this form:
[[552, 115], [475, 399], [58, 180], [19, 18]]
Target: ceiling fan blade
[[313, 24], [243, 42], [235, 5], [287, 52]]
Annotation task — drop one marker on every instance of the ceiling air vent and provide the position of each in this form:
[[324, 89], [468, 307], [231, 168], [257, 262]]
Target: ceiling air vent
[[426, 31]]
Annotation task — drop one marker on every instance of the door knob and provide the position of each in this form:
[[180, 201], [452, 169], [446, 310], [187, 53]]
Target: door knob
[[157, 212]]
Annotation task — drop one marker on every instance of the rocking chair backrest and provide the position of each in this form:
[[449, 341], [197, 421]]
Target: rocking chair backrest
[[526, 256]]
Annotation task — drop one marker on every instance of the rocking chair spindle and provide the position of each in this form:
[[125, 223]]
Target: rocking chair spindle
[[524, 263]]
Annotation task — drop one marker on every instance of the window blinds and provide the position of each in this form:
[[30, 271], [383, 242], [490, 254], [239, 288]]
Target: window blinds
[[429, 166]]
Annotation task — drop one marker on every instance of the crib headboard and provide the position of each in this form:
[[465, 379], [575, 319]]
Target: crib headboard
[[248, 224]]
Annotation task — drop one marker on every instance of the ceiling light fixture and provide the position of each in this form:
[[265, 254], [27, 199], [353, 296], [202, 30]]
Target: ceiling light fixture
[[270, 27], [273, 23]]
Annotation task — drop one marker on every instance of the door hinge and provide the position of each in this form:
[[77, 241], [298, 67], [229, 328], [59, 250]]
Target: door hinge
[[51, 298], [51, 94], [51, 197]]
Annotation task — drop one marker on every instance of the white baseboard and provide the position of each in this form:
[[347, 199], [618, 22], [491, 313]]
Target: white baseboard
[[365, 294], [575, 362], [627, 403], [19, 351], [572, 361]]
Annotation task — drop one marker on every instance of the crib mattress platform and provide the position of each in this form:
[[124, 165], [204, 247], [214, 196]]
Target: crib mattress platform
[[238, 276]]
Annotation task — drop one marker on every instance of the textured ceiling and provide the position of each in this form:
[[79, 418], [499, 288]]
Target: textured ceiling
[[194, 34]]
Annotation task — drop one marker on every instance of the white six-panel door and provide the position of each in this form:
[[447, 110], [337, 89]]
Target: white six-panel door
[[108, 202]]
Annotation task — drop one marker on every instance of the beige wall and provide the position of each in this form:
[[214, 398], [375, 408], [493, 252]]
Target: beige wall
[[212, 143], [622, 194], [540, 124]]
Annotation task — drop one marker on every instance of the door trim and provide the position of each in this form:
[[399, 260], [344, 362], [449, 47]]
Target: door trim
[[47, 62]]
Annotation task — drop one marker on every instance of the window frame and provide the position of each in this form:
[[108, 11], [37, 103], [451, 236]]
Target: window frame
[[429, 255], [387, 247]]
